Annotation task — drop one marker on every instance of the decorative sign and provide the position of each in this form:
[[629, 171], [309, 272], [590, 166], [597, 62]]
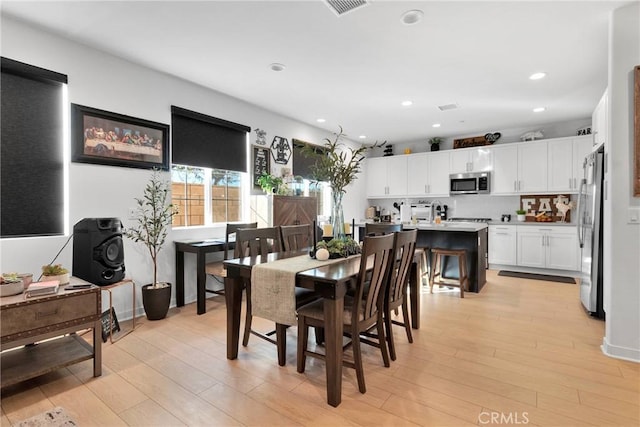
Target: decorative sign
[[261, 136], [552, 206], [476, 141], [108, 329], [584, 131], [261, 164], [280, 150]]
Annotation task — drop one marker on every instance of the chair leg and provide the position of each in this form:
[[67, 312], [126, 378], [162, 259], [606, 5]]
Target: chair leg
[[461, 268], [407, 322], [303, 336], [319, 332], [248, 317], [357, 359], [382, 340], [388, 324], [281, 341]]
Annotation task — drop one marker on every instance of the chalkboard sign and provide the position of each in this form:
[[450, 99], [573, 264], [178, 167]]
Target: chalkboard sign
[[106, 330], [260, 164]]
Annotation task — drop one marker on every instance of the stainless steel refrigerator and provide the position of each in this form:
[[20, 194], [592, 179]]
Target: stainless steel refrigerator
[[590, 225]]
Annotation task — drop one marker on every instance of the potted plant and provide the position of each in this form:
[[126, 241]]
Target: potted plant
[[521, 215], [271, 184], [55, 272], [435, 143], [153, 218]]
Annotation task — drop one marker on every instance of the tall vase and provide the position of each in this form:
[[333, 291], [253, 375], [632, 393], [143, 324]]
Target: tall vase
[[337, 219]]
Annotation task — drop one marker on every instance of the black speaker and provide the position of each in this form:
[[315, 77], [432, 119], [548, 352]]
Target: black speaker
[[98, 252]]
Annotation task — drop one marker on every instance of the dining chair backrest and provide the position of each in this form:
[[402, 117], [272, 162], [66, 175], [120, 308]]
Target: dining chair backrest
[[373, 274], [252, 242], [404, 246], [296, 237], [377, 229], [232, 228]]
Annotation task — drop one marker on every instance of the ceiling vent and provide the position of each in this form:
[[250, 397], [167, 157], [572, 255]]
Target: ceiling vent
[[340, 7], [447, 107]]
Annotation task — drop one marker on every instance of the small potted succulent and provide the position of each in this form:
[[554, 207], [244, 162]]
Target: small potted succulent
[[521, 215], [435, 143], [10, 284], [55, 272]]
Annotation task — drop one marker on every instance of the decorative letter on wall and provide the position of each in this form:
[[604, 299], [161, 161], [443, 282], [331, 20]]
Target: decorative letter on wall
[[280, 150]]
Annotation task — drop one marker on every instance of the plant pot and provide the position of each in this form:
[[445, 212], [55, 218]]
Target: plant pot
[[12, 288], [435, 147], [62, 278], [156, 301], [522, 218]]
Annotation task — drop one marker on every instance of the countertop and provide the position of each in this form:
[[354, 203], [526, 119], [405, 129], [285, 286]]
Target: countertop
[[538, 224], [445, 226]]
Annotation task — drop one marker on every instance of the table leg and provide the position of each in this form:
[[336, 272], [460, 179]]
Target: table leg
[[333, 346], [415, 283], [97, 349], [233, 297], [200, 284], [179, 278]]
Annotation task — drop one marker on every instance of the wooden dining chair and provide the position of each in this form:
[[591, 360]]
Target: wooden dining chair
[[263, 241], [216, 269], [380, 228], [361, 312], [295, 237], [404, 247]]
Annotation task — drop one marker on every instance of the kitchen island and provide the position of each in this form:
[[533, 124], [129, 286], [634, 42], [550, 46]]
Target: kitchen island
[[471, 236]]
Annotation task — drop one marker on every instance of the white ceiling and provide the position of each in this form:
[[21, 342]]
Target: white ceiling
[[356, 69]]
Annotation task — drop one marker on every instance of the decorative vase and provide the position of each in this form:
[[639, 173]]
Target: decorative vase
[[156, 301], [337, 219], [435, 147]]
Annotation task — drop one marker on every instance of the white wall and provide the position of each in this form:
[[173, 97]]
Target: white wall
[[622, 240], [99, 80]]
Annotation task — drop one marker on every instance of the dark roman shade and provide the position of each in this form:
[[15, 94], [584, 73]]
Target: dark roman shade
[[204, 141], [302, 164], [32, 161]]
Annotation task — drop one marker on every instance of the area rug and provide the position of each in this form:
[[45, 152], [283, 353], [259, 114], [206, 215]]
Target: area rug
[[56, 417], [535, 276]]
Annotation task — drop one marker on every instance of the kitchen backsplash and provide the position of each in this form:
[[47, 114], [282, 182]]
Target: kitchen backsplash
[[466, 206]]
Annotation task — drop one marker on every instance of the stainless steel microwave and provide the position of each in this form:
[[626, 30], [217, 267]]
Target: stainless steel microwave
[[470, 183]]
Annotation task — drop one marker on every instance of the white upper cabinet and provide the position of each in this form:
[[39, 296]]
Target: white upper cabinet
[[532, 167], [504, 178], [565, 157], [387, 176], [429, 174], [599, 120], [471, 160]]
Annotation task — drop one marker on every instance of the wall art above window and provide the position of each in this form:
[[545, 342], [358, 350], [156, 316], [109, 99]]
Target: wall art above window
[[106, 138]]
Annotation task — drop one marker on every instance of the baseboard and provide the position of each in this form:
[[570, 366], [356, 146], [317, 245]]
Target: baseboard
[[617, 352]]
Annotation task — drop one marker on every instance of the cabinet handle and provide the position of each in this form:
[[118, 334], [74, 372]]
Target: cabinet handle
[[429, 187], [570, 183], [425, 189], [502, 234], [515, 185], [575, 184], [41, 314]]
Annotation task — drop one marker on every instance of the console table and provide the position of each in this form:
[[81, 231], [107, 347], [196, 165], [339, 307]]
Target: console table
[[60, 316]]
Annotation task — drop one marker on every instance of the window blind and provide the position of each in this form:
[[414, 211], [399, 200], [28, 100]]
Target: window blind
[[31, 154], [208, 142]]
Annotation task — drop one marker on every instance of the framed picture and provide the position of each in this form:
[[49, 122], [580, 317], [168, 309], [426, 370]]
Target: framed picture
[[261, 165], [108, 327], [106, 138], [636, 124]]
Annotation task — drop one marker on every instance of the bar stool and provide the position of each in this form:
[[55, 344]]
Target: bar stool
[[436, 277]]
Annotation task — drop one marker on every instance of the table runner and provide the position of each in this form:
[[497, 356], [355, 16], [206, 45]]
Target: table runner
[[273, 287]]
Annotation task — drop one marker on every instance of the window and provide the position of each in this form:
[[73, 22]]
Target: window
[[207, 196]]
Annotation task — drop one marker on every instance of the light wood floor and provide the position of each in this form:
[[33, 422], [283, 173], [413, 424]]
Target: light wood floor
[[520, 352]]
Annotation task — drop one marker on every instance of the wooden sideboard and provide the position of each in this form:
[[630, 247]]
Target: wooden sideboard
[[294, 210], [25, 323]]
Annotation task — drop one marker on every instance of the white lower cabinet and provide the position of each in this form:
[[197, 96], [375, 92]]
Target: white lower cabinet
[[502, 244], [547, 247]]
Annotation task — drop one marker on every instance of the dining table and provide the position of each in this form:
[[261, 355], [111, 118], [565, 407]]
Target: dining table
[[330, 281]]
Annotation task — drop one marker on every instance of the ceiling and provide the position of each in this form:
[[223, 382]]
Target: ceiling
[[354, 70]]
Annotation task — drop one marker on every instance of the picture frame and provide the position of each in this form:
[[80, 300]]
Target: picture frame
[[107, 328], [106, 138], [636, 132], [261, 165]]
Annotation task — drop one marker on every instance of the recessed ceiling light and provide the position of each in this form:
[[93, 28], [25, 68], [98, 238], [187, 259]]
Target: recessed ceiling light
[[320, 120], [411, 17], [435, 125], [407, 103], [539, 109], [362, 136], [538, 76], [276, 66]]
